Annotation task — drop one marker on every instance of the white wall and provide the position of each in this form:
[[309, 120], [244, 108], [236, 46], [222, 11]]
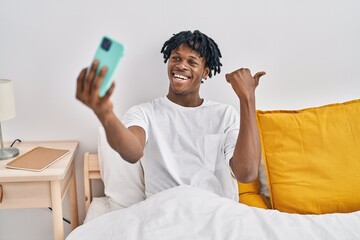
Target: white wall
[[309, 49]]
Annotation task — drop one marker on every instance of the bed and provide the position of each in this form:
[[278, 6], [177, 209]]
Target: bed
[[318, 200]]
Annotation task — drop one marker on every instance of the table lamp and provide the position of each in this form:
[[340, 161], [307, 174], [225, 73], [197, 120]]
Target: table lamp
[[7, 111]]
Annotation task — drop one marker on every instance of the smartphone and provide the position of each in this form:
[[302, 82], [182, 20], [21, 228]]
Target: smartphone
[[108, 53]]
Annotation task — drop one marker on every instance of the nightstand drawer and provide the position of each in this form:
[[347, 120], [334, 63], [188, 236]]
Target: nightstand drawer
[[25, 195]]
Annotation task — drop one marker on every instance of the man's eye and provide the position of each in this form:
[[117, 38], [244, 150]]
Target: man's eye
[[175, 58], [193, 63]]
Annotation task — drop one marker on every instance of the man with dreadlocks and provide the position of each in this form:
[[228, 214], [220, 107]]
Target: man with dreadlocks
[[182, 138]]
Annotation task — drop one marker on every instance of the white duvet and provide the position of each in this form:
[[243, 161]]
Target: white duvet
[[187, 212]]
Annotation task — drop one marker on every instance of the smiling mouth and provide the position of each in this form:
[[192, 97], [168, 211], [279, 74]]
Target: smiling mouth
[[180, 77]]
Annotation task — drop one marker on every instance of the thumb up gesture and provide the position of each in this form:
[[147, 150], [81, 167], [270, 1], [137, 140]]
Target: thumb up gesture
[[243, 83]]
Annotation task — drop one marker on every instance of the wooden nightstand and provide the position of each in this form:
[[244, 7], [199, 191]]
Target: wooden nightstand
[[26, 189]]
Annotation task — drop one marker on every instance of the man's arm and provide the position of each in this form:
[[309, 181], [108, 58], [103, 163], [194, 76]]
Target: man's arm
[[128, 142], [247, 154]]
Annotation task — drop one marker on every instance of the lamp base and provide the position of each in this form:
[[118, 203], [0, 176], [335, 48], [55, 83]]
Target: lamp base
[[6, 153]]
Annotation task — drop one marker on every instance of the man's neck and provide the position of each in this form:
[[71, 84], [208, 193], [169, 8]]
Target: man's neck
[[186, 101]]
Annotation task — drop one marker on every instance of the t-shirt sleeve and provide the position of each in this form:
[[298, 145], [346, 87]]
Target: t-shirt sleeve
[[231, 132], [135, 116]]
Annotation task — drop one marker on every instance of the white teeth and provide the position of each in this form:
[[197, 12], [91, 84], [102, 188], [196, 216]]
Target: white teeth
[[180, 76]]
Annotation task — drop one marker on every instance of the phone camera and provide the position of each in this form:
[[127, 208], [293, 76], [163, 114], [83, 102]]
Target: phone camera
[[106, 44]]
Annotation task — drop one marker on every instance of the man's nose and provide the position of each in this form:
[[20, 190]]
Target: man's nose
[[182, 65]]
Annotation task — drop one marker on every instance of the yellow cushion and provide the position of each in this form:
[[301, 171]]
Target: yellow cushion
[[312, 158], [249, 194]]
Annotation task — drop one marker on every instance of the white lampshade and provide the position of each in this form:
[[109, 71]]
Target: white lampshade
[[7, 100]]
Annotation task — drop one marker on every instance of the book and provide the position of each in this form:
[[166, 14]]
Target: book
[[37, 159]]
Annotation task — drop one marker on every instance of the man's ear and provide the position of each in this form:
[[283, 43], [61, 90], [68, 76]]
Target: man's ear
[[206, 73]]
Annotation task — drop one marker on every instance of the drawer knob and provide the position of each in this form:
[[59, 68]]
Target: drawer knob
[[1, 193]]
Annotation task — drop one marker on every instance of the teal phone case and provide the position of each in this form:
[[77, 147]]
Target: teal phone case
[[108, 54]]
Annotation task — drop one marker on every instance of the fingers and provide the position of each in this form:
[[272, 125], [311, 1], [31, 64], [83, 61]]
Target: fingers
[[88, 84], [258, 75], [93, 79], [80, 83], [228, 77], [90, 77], [109, 92], [239, 72], [244, 73], [97, 81]]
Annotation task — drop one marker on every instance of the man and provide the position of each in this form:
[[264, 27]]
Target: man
[[183, 138]]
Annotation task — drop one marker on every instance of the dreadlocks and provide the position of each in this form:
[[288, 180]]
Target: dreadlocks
[[199, 42]]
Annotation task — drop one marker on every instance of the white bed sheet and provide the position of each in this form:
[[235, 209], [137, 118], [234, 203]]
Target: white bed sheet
[[98, 207], [186, 212]]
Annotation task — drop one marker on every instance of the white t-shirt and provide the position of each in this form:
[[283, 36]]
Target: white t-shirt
[[187, 145]]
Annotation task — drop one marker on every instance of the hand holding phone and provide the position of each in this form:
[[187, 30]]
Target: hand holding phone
[[108, 53]]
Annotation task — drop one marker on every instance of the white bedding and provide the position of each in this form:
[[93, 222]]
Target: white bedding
[[186, 212], [98, 207]]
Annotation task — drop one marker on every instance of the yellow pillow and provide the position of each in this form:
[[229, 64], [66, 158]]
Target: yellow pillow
[[249, 194], [312, 158]]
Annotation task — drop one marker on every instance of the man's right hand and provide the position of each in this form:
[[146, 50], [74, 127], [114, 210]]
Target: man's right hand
[[128, 142], [87, 91]]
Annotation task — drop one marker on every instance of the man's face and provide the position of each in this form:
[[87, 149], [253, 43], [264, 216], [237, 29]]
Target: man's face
[[186, 69]]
